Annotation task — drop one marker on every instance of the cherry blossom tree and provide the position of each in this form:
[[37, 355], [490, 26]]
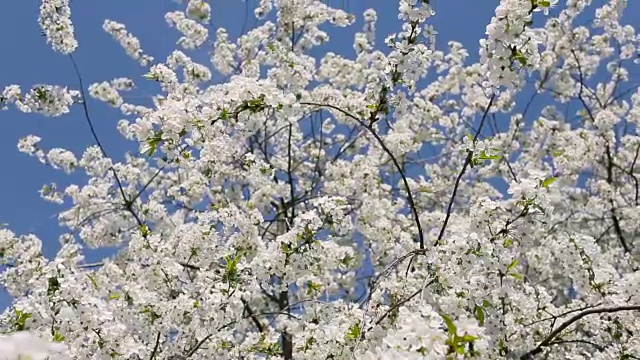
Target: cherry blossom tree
[[290, 211]]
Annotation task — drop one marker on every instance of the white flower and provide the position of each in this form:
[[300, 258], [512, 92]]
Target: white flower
[[18, 345], [467, 326], [55, 23], [129, 43], [287, 190]]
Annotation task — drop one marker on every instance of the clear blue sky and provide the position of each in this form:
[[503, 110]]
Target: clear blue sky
[[27, 60]]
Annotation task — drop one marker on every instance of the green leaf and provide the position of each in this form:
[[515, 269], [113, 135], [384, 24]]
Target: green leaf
[[41, 93], [513, 264], [354, 331], [224, 115], [521, 59], [144, 230], [517, 276], [148, 310], [254, 105], [486, 304], [451, 327], [113, 296], [57, 337], [548, 181], [346, 260], [21, 319], [544, 3], [94, 283], [150, 76], [480, 315], [285, 248], [313, 287], [231, 271], [468, 338], [153, 142], [484, 156]]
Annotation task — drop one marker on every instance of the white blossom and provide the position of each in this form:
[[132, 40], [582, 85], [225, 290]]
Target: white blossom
[[397, 201]]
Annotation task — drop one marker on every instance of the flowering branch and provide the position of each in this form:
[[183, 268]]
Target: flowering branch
[[549, 339], [369, 128]]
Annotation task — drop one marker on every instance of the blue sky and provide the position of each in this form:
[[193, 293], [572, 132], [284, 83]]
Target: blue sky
[[27, 60]]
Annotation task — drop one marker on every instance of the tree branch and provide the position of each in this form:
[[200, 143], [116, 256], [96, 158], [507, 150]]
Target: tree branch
[[369, 128], [155, 348], [548, 341], [467, 161]]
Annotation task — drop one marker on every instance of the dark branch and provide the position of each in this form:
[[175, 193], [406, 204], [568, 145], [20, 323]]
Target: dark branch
[[467, 161], [548, 341], [155, 348]]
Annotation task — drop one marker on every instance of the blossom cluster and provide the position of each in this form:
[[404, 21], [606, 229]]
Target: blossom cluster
[[341, 206]]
